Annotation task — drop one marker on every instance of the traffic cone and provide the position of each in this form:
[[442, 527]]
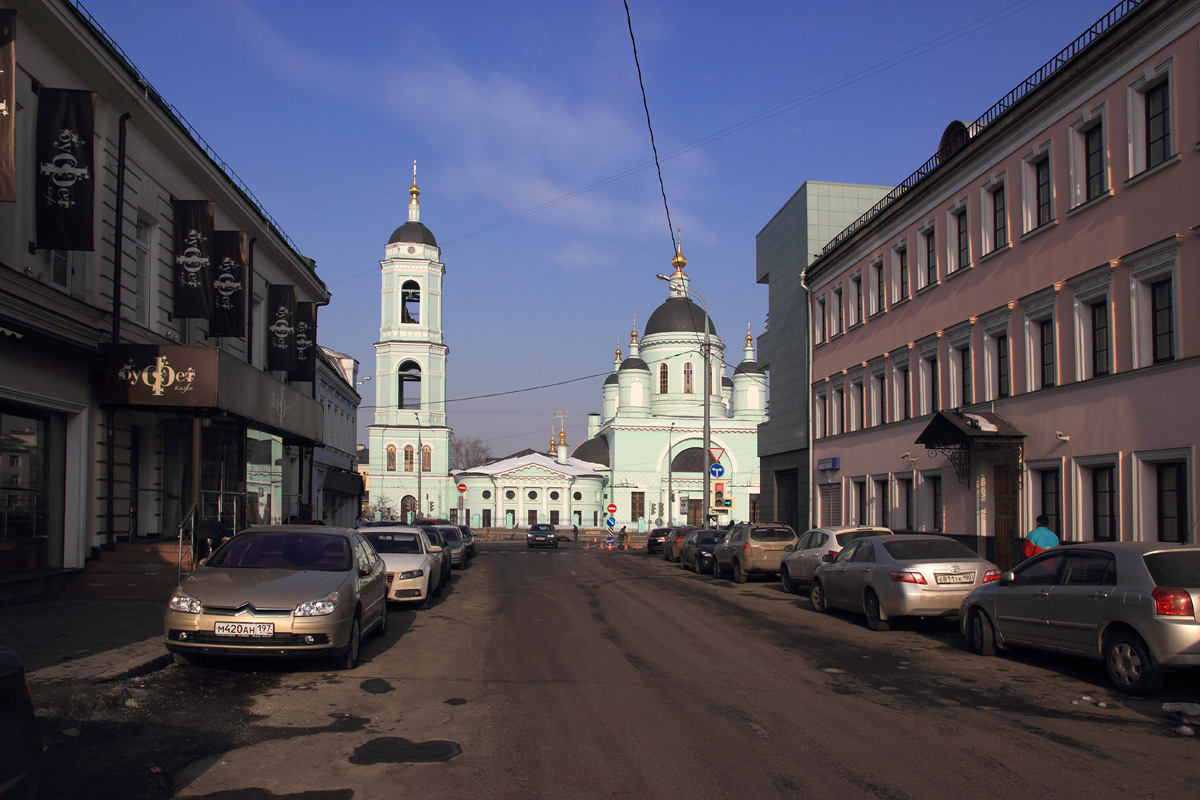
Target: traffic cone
[[587, 545]]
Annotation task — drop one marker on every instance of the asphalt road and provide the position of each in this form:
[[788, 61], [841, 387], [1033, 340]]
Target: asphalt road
[[575, 673]]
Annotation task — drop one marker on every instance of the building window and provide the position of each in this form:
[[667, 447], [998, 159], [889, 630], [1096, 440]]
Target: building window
[[409, 460], [935, 496], [856, 311], [662, 379], [637, 505], [877, 272], [960, 247], [60, 268], [928, 265], [1087, 146], [409, 382], [859, 487], [880, 392], [1104, 504], [904, 386], [836, 409], [858, 405], [839, 318], [1162, 321], [900, 261], [1038, 190], [410, 303], [965, 390], [905, 485], [143, 299], [1172, 501], [487, 494], [821, 321], [999, 218], [932, 378], [1003, 376], [1099, 317], [1051, 496], [1046, 352], [1095, 172], [391, 458], [688, 383], [882, 503], [1151, 122], [1044, 214]]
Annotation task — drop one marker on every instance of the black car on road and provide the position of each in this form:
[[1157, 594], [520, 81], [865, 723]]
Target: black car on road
[[541, 534]]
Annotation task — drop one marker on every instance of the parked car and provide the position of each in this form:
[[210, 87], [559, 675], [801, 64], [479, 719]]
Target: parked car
[[751, 549], [674, 541], [468, 539], [541, 534], [1130, 604], [696, 552], [801, 560], [294, 590], [885, 577], [20, 736], [654, 540], [438, 539], [455, 545], [414, 566]]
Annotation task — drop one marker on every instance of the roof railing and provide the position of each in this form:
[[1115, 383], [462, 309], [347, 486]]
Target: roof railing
[[1004, 104]]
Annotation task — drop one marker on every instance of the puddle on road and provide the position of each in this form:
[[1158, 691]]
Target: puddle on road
[[455, 701], [257, 793], [376, 686], [398, 750]]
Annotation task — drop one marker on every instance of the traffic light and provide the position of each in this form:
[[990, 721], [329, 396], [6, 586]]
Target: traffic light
[[718, 500]]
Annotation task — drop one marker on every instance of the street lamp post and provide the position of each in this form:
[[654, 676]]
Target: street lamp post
[[670, 487], [707, 392]]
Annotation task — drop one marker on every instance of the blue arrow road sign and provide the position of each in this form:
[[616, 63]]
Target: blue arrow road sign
[[611, 521], [716, 470]]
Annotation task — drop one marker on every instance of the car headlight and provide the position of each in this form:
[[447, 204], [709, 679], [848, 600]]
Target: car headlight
[[184, 602], [412, 573], [318, 608]]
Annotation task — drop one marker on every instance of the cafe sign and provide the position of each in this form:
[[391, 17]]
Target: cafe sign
[[160, 375]]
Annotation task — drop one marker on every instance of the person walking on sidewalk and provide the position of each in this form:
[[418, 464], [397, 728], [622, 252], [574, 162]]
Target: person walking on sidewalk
[[1040, 538]]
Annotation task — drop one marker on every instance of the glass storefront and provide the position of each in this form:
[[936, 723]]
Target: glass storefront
[[31, 504]]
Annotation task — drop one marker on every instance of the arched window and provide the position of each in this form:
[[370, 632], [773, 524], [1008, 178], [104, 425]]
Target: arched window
[[391, 458], [662, 379], [426, 458], [410, 302], [408, 506], [687, 378], [408, 458], [409, 395], [689, 460]]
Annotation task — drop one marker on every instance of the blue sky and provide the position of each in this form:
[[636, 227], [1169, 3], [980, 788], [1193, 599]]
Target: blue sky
[[534, 158]]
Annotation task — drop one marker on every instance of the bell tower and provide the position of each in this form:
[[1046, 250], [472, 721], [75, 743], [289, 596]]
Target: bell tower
[[409, 442]]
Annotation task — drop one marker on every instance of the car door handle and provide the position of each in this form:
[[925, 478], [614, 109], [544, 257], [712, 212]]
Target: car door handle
[[1044, 593], [1100, 595]]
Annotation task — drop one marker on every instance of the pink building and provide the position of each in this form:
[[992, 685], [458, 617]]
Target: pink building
[[1008, 332]]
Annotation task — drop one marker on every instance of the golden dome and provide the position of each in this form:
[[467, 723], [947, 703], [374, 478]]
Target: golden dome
[[562, 438], [413, 190], [679, 262]]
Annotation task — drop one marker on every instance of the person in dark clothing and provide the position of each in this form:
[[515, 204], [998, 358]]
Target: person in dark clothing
[[304, 516]]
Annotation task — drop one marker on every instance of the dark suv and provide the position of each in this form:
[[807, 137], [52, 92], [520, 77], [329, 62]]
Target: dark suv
[[750, 549]]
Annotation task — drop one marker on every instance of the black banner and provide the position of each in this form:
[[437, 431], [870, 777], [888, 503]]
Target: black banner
[[306, 344], [193, 259], [281, 327], [229, 287], [8, 105], [66, 174]]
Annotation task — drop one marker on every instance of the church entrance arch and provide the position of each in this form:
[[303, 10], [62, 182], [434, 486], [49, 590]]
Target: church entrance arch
[[408, 508]]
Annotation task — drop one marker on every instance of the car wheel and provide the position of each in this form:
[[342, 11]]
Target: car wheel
[[785, 580], [436, 592], [381, 628], [349, 659], [696, 566], [739, 576], [716, 569], [982, 632], [427, 600], [820, 603], [1129, 665], [876, 621]]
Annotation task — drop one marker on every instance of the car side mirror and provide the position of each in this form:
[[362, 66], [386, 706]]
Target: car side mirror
[[828, 559], [1007, 578], [433, 548], [788, 548]]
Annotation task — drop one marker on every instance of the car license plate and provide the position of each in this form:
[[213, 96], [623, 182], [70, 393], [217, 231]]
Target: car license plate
[[244, 629], [961, 577]]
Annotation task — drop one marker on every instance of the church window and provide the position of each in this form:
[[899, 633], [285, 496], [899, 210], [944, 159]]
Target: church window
[[410, 302], [487, 494], [662, 379], [554, 495], [687, 378], [533, 495], [689, 460], [426, 458], [408, 458], [391, 458], [510, 494], [578, 495], [409, 395]]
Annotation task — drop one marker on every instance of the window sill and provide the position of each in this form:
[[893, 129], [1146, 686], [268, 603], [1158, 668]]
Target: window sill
[[960, 271], [858, 324], [899, 302], [1004, 248], [877, 314], [1039, 229], [1086, 204], [1146, 173], [928, 287]]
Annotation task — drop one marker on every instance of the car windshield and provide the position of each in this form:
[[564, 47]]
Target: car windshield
[[453, 534], [927, 549], [772, 534], [1179, 570], [395, 542], [283, 550], [541, 528], [846, 537]]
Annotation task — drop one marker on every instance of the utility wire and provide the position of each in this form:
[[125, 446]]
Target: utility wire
[[646, 105]]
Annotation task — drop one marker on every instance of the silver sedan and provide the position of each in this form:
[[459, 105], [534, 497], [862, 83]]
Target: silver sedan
[[900, 576], [1131, 604]]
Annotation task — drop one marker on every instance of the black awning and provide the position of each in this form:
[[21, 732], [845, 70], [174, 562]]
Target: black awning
[[343, 481], [957, 434]]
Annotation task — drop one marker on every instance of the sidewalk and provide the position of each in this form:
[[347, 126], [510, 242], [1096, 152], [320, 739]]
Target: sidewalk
[[80, 638]]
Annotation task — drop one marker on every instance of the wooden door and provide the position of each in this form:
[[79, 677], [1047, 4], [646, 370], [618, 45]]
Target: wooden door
[[1007, 514]]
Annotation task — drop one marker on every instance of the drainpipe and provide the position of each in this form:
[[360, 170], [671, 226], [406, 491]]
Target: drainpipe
[[250, 303], [808, 349], [118, 235]]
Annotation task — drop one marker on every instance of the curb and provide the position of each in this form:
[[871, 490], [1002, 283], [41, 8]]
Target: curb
[[130, 661]]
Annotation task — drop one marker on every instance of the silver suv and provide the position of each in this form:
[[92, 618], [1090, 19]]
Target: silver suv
[[802, 559], [752, 548]]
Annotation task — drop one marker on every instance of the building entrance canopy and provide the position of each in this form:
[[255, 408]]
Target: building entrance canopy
[[955, 433], [205, 379]]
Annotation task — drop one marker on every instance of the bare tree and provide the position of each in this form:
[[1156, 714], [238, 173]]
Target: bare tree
[[467, 452]]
